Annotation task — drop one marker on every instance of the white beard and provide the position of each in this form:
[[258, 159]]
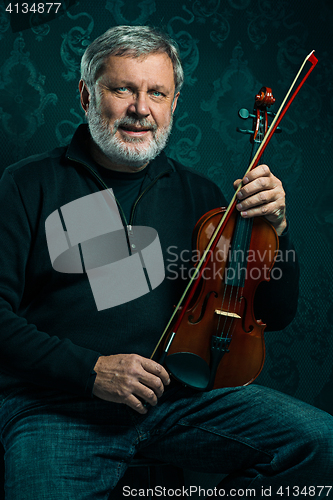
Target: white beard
[[132, 151]]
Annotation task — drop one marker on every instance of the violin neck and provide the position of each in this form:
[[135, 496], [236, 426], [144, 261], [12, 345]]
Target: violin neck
[[238, 253]]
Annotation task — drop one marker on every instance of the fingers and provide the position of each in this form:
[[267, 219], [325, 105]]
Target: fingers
[[156, 369], [136, 405], [257, 185], [148, 381], [257, 173], [262, 194], [153, 380], [130, 379]]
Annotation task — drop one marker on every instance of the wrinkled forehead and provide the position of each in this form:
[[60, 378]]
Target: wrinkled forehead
[[124, 62]]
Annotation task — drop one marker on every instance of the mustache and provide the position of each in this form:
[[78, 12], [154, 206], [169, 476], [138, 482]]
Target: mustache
[[128, 120]]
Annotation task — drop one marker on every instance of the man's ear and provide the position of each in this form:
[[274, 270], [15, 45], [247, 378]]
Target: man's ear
[[174, 104], [84, 95]]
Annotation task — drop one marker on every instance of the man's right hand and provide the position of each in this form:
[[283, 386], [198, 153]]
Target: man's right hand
[[124, 378]]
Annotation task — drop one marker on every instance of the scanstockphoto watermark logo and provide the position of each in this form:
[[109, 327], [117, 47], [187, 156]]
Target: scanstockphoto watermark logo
[[87, 236], [227, 264], [190, 491]]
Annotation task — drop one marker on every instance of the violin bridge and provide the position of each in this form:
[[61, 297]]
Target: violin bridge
[[226, 313]]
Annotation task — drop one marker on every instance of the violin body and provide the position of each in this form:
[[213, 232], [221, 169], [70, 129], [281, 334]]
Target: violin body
[[219, 342]]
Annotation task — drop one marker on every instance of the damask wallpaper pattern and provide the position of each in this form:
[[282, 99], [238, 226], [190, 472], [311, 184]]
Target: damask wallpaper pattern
[[230, 48]]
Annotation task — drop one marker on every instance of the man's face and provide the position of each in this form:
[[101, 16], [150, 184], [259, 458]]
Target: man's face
[[130, 112]]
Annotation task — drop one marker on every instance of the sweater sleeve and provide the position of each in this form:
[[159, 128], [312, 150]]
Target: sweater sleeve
[[27, 354], [276, 300]]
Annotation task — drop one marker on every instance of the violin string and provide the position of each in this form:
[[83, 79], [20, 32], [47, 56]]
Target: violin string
[[244, 230], [227, 298], [237, 291], [220, 328], [246, 226]]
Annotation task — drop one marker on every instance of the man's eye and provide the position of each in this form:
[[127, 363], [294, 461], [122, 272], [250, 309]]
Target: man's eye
[[156, 93], [122, 89]]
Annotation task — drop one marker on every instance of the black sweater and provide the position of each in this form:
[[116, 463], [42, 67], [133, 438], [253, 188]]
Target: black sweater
[[51, 332]]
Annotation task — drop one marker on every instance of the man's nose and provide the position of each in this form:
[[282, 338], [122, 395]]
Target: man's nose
[[140, 105]]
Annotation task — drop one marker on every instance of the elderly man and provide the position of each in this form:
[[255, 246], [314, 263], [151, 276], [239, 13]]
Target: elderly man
[[80, 392]]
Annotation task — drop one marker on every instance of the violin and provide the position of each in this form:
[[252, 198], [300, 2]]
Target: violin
[[213, 338]]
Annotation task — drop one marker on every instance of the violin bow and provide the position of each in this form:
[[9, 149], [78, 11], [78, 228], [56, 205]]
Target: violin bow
[[219, 229]]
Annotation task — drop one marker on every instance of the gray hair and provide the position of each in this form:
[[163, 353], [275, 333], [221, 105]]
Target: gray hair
[[133, 41]]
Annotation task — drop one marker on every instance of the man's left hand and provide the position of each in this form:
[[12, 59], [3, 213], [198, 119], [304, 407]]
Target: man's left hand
[[262, 194]]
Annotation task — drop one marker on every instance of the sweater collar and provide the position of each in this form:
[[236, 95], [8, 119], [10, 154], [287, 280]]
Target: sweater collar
[[79, 152]]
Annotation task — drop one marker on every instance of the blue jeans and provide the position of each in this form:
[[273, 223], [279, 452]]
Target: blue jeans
[[61, 447]]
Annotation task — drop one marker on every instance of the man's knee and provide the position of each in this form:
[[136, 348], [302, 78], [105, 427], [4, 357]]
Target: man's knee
[[315, 444]]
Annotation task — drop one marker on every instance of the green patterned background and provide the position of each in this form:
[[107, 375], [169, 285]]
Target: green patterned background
[[230, 48]]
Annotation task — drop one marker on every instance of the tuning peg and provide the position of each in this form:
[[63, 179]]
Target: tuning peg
[[243, 131], [245, 114]]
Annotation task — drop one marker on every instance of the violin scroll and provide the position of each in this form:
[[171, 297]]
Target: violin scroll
[[264, 99]]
